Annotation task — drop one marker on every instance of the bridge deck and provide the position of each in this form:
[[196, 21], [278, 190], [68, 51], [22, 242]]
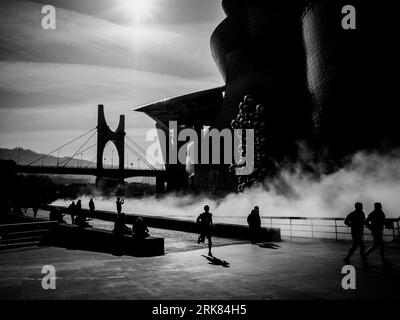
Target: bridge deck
[[127, 173]]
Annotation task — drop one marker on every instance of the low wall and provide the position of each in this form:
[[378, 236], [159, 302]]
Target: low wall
[[93, 239], [220, 229], [90, 239]]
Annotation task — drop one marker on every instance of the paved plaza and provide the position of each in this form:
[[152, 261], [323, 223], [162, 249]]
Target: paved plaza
[[298, 269]]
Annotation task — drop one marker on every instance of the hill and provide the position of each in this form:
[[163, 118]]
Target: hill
[[26, 156]]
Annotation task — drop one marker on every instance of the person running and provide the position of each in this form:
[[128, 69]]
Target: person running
[[91, 208], [206, 225], [119, 204], [376, 223], [254, 222], [355, 220]]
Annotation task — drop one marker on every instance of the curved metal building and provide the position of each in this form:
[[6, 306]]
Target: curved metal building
[[315, 79], [259, 50]]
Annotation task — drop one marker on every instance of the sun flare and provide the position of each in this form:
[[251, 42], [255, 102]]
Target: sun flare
[[138, 10]]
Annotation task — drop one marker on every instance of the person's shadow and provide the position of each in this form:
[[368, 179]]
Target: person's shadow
[[268, 245], [217, 262]]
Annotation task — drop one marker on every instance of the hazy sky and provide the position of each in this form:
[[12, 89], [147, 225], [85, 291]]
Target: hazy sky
[[102, 52]]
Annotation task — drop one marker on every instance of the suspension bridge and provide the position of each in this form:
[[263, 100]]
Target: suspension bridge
[[96, 166]]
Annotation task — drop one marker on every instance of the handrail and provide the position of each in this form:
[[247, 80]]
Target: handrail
[[27, 223], [288, 224]]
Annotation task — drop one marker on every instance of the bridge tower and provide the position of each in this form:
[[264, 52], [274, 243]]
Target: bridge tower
[[104, 135]]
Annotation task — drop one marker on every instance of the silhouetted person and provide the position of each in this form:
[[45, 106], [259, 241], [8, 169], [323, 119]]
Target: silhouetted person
[[53, 215], [91, 207], [376, 223], [17, 208], [81, 220], [72, 211], [78, 207], [355, 220], [120, 228], [206, 225], [119, 204], [139, 229], [35, 208], [78, 211], [56, 215], [254, 222]]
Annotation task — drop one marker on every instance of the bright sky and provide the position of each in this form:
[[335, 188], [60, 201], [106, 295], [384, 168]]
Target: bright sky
[[120, 53]]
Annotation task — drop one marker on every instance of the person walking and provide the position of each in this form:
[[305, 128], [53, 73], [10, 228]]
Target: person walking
[[376, 223], [355, 220], [254, 222]]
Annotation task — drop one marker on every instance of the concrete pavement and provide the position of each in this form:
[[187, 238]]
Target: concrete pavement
[[306, 269]]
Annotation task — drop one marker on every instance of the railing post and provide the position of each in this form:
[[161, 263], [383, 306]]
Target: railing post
[[398, 229], [290, 226], [335, 230], [312, 229], [394, 232]]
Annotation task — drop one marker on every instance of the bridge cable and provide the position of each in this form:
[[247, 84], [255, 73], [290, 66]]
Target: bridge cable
[[145, 153], [46, 155], [140, 148], [93, 145], [79, 150], [91, 161], [66, 161], [141, 157]]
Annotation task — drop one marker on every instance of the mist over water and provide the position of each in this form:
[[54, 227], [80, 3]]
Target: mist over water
[[367, 178]]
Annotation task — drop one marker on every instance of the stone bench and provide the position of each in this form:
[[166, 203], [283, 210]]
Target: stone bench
[[93, 239]]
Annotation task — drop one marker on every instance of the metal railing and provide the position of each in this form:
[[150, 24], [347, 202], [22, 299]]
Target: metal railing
[[309, 227], [305, 227], [325, 228]]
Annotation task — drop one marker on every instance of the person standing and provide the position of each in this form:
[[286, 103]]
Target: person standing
[[119, 204], [91, 208], [72, 211], [376, 223], [355, 220], [35, 208], [254, 222], [78, 212], [206, 225]]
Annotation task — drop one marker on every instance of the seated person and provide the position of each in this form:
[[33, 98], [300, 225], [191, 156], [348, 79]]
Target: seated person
[[56, 215], [81, 220], [120, 228], [139, 229], [53, 215]]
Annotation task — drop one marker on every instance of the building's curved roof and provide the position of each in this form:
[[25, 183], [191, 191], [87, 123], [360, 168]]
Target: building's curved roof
[[199, 107]]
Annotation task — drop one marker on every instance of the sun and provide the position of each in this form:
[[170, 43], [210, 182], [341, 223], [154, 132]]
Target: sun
[[138, 10]]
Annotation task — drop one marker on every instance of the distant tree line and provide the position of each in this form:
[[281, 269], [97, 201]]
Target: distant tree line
[[22, 191]]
